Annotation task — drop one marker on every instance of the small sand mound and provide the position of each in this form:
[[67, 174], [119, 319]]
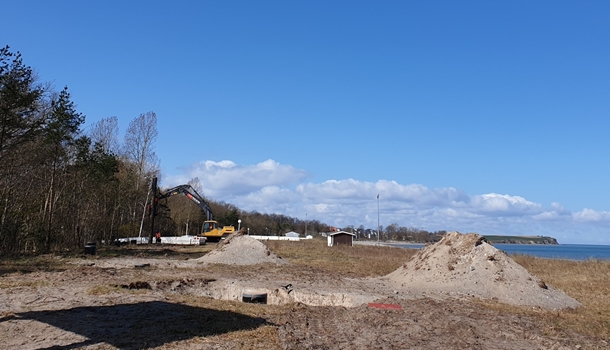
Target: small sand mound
[[466, 265], [237, 249]]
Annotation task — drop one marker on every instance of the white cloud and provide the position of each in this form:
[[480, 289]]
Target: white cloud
[[547, 215], [271, 187], [387, 191], [590, 215], [225, 178], [556, 212], [503, 204]]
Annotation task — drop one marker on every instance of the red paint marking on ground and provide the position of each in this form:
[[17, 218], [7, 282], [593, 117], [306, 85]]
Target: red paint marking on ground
[[385, 306]]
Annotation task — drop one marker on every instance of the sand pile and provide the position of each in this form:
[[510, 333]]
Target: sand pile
[[237, 249], [466, 265]]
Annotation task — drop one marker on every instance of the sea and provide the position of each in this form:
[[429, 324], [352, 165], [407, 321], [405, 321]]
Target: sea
[[550, 251]]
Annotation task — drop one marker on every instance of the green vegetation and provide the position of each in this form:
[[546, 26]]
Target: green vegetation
[[60, 187]]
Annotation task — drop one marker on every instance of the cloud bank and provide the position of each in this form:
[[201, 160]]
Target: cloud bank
[[271, 187]]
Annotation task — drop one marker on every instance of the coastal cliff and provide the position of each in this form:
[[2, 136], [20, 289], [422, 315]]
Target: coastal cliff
[[521, 239]]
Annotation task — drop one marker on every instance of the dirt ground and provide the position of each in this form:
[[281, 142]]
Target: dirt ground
[[173, 303]]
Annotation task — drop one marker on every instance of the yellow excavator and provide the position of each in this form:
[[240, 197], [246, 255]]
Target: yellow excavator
[[211, 231]]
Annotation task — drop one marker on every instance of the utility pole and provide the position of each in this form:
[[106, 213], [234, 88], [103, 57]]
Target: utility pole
[[378, 226], [143, 215], [305, 224], [153, 209]]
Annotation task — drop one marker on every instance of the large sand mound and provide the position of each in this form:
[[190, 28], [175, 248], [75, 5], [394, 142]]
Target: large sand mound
[[466, 265], [237, 249]]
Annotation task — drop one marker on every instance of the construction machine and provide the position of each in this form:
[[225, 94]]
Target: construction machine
[[211, 231]]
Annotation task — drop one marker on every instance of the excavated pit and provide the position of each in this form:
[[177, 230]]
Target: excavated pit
[[239, 251], [232, 290], [457, 266]]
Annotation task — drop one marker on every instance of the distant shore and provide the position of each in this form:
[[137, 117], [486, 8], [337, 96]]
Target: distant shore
[[491, 239], [521, 240], [389, 243]]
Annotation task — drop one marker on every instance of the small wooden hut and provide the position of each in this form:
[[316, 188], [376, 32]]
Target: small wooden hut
[[341, 237]]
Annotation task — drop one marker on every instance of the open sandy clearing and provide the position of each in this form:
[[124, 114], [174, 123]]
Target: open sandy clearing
[[165, 303]]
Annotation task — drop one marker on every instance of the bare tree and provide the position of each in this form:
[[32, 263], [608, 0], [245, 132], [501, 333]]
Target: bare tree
[[139, 144], [196, 185], [106, 133], [139, 151]]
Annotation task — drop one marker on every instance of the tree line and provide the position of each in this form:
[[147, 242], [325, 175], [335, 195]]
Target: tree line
[[395, 232], [62, 186], [178, 215], [184, 217]]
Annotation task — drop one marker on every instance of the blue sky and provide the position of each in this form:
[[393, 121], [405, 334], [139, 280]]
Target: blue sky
[[475, 116]]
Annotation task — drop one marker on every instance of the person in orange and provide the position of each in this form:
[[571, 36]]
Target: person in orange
[[158, 237]]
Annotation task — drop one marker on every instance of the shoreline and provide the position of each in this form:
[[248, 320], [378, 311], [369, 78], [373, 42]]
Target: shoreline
[[394, 243], [389, 243], [543, 251]]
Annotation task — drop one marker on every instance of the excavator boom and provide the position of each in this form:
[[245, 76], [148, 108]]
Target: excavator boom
[[211, 231], [191, 194]]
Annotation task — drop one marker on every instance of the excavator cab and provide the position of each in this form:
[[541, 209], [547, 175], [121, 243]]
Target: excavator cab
[[209, 226], [213, 233]]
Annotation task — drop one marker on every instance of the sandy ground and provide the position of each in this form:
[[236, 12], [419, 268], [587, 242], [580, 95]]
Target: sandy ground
[[131, 303]]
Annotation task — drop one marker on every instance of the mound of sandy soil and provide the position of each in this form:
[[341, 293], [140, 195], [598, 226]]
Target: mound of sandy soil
[[238, 249], [466, 265]]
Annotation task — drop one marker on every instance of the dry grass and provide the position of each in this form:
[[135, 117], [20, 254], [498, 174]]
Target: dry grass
[[356, 261], [264, 337], [108, 289], [29, 284], [28, 264], [155, 251], [103, 289], [586, 281]]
